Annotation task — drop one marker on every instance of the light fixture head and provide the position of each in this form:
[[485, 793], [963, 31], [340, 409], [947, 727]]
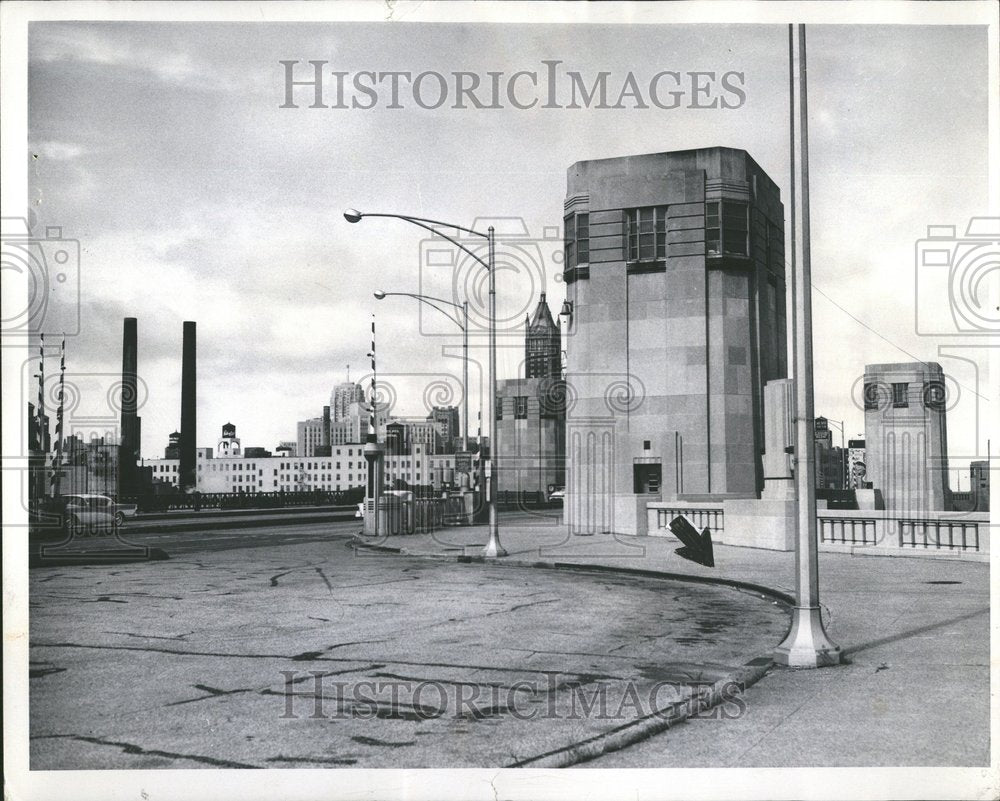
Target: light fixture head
[[379, 294], [353, 215]]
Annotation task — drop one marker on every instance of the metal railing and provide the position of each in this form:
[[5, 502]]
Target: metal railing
[[847, 530], [938, 535]]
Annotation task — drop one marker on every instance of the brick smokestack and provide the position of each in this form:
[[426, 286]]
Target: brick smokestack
[[128, 444], [189, 418]]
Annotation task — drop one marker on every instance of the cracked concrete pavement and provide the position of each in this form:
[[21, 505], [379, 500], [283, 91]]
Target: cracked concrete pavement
[[300, 652]]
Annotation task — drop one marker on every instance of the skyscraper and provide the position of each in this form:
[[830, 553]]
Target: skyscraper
[[342, 397], [542, 344], [531, 414], [445, 418]]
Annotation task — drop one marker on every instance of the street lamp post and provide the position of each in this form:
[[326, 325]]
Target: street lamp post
[[493, 547], [464, 325], [807, 644]]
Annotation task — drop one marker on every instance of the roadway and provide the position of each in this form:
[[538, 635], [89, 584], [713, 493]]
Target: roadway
[[285, 647]]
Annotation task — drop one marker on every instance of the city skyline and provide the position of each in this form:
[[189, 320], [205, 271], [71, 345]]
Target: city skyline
[[166, 245]]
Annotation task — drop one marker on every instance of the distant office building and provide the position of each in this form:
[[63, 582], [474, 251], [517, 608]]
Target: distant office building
[[445, 419], [90, 466], [675, 274], [342, 397], [542, 344], [830, 460], [531, 414], [73, 450], [424, 432], [309, 436], [531, 435], [353, 428], [906, 434], [228, 446], [395, 438]]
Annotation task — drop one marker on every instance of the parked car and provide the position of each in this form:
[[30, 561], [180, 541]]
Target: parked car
[[123, 511], [88, 515], [557, 495]]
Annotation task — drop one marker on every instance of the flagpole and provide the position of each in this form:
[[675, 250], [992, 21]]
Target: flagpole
[[42, 423], [57, 455]]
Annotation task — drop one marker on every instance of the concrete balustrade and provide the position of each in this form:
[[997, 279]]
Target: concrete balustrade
[[963, 535]]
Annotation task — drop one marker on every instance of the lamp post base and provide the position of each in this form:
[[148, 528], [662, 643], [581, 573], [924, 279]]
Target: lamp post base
[[807, 645], [493, 547]]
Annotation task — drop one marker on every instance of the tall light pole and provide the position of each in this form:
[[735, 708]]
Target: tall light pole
[[493, 547], [464, 325], [807, 644]]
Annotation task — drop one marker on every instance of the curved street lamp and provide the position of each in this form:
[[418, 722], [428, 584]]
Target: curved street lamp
[[464, 325], [493, 547]]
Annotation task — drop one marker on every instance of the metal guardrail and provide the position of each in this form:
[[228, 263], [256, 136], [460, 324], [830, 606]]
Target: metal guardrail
[[847, 530], [939, 534]]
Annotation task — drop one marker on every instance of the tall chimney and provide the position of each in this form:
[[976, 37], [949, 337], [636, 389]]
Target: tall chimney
[[189, 421], [128, 444], [326, 427]]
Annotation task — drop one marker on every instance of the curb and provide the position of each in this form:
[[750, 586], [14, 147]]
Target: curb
[[648, 725], [107, 557], [777, 595]]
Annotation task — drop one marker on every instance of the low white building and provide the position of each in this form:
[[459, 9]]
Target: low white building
[[342, 470]]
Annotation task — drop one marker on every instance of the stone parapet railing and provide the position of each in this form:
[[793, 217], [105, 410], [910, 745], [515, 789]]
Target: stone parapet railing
[[892, 532]]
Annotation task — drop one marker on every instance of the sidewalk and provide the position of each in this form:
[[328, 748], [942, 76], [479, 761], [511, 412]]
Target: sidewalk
[[914, 688]]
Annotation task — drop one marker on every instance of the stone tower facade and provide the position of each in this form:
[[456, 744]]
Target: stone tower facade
[[676, 278], [906, 435]]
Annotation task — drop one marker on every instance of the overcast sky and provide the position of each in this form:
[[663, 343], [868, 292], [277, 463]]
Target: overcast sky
[[162, 148]]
